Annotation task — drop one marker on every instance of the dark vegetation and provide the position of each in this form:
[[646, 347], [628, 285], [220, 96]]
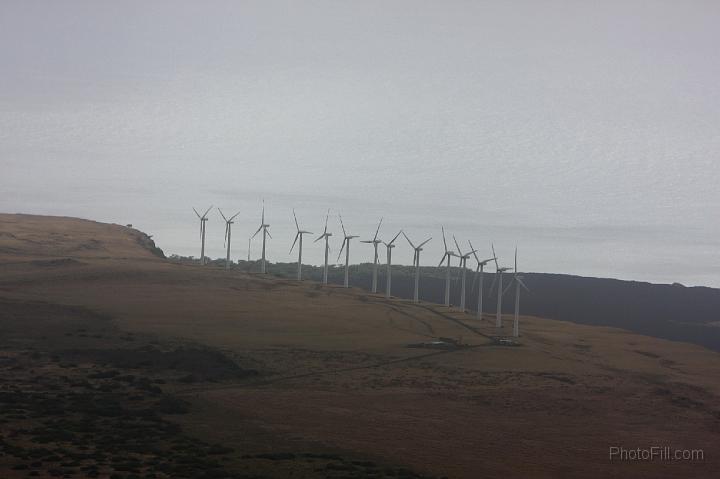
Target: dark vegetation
[[199, 363], [674, 312], [147, 242], [79, 398]]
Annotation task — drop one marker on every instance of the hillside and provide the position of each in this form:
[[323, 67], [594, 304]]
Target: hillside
[[664, 311], [117, 361]]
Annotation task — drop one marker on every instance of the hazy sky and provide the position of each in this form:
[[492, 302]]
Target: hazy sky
[[587, 132]]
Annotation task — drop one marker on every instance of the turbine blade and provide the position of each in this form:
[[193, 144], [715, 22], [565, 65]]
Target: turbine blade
[[522, 284], [267, 230], [396, 237], [207, 211], [474, 251], [443, 259], [296, 223], [233, 216], [378, 229], [443, 233], [424, 242], [457, 245], [342, 225], [223, 216], [516, 260], [258, 230], [494, 256], [293, 245], [198, 214], [341, 249], [326, 220], [492, 286], [408, 239]]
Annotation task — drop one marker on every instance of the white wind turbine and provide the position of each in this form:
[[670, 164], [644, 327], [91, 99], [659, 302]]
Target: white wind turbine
[[264, 227], [375, 241], [517, 280], [346, 246], [299, 234], [498, 280], [481, 271], [416, 263], [389, 246], [463, 269], [327, 236], [228, 231], [203, 218], [448, 254]]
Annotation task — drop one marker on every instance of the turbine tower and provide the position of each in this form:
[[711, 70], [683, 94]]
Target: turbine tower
[[346, 246], [264, 227], [498, 280], [463, 264], [325, 235], [228, 223], [448, 254], [389, 246], [481, 271], [203, 218], [375, 241], [299, 234], [517, 280], [416, 263]]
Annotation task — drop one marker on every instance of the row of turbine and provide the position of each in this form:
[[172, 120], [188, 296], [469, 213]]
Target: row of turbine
[[448, 254]]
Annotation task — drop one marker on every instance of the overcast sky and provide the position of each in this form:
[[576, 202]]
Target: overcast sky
[[587, 132]]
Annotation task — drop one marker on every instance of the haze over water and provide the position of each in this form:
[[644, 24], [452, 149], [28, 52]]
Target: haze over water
[[584, 132]]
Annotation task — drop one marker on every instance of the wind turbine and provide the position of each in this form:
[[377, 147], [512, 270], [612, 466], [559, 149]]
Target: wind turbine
[[517, 280], [264, 227], [325, 235], [498, 280], [228, 228], [375, 241], [389, 247], [448, 254], [463, 264], [346, 246], [299, 234], [416, 263], [202, 219], [481, 270]]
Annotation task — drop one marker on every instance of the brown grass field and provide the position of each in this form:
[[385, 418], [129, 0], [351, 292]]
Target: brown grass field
[[300, 380]]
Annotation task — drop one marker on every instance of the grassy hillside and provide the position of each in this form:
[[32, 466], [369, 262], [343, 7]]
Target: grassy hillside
[[664, 311], [115, 361]]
